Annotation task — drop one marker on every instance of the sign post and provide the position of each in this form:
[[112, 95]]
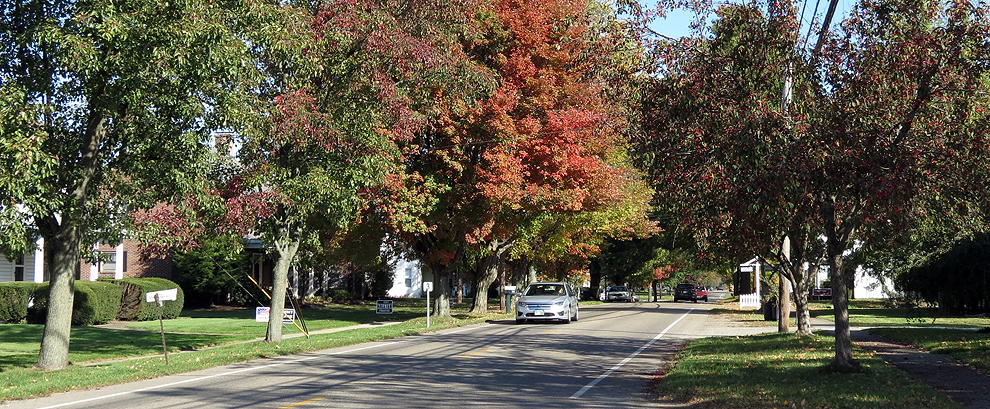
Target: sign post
[[428, 286], [383, 306], [157, 297]]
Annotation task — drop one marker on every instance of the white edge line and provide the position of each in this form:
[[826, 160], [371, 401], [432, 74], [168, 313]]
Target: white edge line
[[244, 370], [602, 377]]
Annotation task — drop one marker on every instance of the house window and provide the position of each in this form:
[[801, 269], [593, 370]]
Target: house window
[[110, 261], [19, 269]]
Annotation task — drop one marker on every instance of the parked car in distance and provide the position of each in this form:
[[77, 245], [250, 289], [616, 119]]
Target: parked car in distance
[[547, 302], [619, 293], [689, 291]]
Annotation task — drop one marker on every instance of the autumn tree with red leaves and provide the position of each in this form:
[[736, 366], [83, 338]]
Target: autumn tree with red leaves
[[537, 160], [886, 131]]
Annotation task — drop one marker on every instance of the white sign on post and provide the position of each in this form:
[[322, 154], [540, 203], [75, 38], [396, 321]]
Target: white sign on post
[[163, 295], [428, 286], [157, 297]]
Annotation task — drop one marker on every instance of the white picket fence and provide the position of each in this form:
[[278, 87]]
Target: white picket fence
[[749, 301]]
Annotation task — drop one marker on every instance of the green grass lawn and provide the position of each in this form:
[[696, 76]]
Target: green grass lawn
[[862, 313], [20, 344], [241, 321], [966, 346], [872, 313], [787, 371]]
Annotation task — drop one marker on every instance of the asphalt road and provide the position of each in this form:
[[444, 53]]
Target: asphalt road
[[604, 360]]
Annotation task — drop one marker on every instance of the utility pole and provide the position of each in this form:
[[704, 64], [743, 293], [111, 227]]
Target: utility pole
[[824, 30], [784, 308]]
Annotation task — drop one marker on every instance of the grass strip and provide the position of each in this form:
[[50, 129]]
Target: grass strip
[[788, 371], [24, 383], [966, 346]]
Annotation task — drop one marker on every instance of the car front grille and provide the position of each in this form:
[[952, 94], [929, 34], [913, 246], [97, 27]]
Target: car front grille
[[547, 314]]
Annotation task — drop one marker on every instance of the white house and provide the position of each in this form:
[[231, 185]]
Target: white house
[[408, 279], [29, 267], [865, 285]]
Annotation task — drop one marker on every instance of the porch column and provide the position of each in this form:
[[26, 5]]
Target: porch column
[[119, 261], [94, 269], [39, 261]]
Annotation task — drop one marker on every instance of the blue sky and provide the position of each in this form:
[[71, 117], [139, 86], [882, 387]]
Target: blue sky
[[677, 21]]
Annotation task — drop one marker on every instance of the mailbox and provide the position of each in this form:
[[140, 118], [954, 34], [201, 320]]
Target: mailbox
[[510, 290]]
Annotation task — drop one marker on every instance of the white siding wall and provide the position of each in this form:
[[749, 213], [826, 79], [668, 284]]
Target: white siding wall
[[408, 279], [6, 270]]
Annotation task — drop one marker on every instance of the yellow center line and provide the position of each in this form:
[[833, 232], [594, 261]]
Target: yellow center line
[[305, 402], [475, 353], [551, 332]]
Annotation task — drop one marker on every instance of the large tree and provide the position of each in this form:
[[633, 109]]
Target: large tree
[[362, 86], [717, 140], [107, 104], [522, 161], [904, 122], [891, 115]]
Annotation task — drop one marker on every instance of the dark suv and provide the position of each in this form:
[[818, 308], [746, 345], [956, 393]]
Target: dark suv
[[688, 291]]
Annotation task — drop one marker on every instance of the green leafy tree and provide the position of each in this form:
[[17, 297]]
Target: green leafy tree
[[107, 105]]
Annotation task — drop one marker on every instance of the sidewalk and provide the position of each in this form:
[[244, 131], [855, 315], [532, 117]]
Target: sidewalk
[[962, 383]]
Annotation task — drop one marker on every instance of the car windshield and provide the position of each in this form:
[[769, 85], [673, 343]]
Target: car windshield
[[618, 288], [545, 289]]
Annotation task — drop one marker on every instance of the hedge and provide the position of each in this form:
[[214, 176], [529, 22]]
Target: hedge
[[133, 306], [94, 303], [14, 299]]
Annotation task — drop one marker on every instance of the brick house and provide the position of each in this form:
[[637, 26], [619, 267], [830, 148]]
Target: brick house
[[122, 262]]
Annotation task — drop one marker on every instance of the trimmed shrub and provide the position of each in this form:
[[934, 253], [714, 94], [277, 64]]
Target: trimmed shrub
[[341, 296], [133, 306], [94, 303], [14, 299]]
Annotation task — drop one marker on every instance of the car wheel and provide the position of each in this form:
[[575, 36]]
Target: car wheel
[[695, 300], [577, 314], [706, 298], [519, 321], [567, 319]]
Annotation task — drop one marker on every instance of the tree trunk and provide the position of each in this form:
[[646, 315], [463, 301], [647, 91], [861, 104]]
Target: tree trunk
[[840, 302], [442, 287], [802, 286], [287, 246], [62, 262], [63, 239], [595, 275], [838, 238], [487, 273]]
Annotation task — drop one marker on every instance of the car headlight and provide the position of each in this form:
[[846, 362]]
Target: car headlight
[[522, 305], [558, 304]]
